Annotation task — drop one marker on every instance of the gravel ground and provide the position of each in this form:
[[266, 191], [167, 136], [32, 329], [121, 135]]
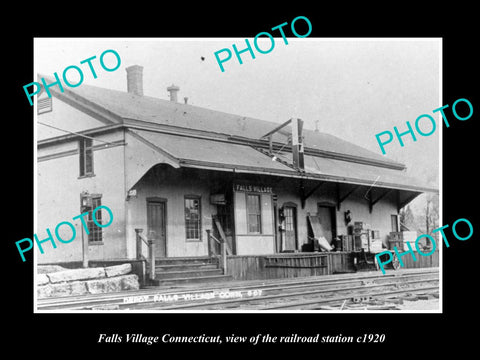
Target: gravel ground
[[431, 304]]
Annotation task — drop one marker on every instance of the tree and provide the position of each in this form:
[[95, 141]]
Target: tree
[[407, 219], [432, 208], [431, 212]]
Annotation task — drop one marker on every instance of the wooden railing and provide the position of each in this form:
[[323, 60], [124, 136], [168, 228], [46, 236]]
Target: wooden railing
[[212, 252], [142, 239]]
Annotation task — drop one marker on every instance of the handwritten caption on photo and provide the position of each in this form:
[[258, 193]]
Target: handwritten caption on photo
[[215, 294]]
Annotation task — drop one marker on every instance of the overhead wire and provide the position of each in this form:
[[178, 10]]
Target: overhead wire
[[75, 133]]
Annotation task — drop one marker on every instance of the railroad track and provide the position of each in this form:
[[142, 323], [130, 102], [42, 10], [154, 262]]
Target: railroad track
[[308, 293]]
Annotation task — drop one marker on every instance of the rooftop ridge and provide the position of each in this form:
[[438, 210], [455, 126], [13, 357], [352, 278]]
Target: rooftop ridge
[[162, 113]]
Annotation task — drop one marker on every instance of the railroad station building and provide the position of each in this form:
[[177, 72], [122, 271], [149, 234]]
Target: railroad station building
[[179, 172]]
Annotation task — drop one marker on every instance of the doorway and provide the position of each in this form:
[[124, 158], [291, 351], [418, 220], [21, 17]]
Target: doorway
[[326, 216], [225, 220], [290, 230], [157, 225]]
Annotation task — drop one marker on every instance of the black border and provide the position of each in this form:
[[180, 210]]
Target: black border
[[78, 334]]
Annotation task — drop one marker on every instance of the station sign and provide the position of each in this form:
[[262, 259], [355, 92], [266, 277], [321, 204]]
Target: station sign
[[253, 188]]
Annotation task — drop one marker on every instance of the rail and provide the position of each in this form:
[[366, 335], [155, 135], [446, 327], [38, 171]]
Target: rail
[[142, 239], [223, 250], [349, 285]]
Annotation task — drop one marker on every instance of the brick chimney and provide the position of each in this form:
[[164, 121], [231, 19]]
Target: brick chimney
[[135, 79], [173, 89]]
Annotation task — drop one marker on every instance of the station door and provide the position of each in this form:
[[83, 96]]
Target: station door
[[290, 213], [156, 224]]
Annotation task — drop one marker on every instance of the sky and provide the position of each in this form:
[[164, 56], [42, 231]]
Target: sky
[[350, 88]]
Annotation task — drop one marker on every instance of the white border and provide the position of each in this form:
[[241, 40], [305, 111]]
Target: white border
[[440, 310]]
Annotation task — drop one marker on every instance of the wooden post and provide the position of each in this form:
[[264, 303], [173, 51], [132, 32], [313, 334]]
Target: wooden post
[[84, 249], [222, 236], [329, 264], [224, 256], [138, 233], [151, 257], [302, 193], [337, 193], [139, 243], [209, 243]]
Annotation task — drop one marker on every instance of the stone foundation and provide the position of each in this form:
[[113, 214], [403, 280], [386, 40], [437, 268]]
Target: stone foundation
[[59, 282]]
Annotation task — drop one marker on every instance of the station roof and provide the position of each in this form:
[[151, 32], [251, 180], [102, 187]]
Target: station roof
[[222, 155], [124, 107], [205, 138]]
